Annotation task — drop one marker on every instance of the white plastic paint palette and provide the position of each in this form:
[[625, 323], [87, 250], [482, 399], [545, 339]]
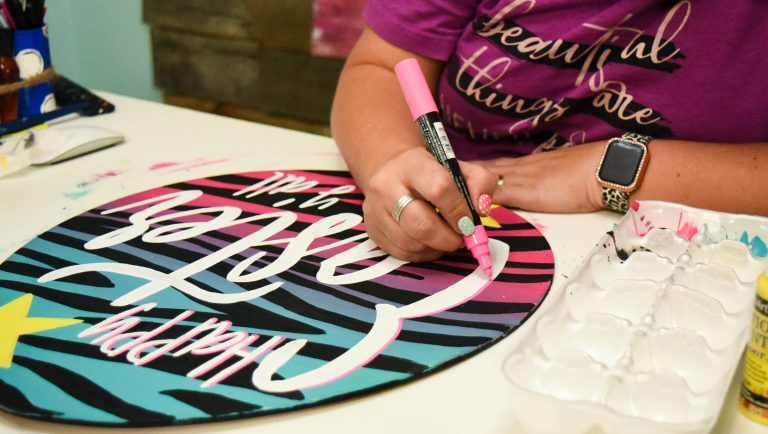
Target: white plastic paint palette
[[647, 333]]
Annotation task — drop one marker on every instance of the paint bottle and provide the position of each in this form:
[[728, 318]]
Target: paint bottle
[[9, 73], [753, 398]]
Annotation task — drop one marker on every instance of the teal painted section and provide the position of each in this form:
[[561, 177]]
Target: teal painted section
[[102, 45]]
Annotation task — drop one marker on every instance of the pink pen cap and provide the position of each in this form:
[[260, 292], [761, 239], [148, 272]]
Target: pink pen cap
[[415, 88]]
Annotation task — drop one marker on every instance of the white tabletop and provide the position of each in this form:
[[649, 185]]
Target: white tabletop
[[470, 397]]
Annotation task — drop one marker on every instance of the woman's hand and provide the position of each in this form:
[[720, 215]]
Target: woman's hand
[[561, 181], [423, 233]]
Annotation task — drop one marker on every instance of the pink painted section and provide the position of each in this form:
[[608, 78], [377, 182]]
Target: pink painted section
[[527, 271], [353, 201], [163, 165], [184, 165], [535, 256], [507, 292], [507, 216], [540, 226], [225, 355]]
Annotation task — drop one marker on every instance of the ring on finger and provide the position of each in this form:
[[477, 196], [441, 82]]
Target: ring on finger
[[500, 180], [400, 205]]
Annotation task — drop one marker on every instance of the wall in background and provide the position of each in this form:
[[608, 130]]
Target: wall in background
[[102, 45]]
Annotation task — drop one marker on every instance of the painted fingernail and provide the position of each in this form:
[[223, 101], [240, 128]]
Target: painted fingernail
[[466, 226], [484, 204]]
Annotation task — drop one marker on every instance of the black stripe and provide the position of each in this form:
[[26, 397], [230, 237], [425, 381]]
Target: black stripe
[[212, 403], [13, 401], [488, 308], [55, 262], [442, 339], [531, 265], [179, 366], [524, 278], [754, 398], [90, 393]]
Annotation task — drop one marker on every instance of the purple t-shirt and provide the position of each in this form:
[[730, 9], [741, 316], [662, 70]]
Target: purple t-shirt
[[526, 76]]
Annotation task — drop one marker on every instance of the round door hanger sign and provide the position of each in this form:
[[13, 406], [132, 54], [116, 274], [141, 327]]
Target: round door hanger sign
[[242, 295]]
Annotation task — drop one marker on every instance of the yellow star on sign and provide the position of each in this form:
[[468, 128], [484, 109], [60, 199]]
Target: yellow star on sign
[[14, 323]]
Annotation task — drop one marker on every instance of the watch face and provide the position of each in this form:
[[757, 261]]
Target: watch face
[[621, 163]]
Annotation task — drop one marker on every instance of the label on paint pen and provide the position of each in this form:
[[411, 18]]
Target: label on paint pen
[[433, 132], [444, 143], [438, 144]]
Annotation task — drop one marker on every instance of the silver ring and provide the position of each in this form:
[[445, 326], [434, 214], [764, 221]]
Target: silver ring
[[400, 206], [500, 180]]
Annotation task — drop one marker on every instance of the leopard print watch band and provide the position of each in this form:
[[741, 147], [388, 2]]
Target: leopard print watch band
[[634, 137], [615, 200]]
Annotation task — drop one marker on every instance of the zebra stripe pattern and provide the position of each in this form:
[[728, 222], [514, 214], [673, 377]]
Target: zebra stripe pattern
[[189, 348]]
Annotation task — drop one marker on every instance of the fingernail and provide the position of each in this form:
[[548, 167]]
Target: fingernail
[[484, 204], [466, 226]]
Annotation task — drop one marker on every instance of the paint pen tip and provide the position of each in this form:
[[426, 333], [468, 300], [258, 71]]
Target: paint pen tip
[[488, 272]]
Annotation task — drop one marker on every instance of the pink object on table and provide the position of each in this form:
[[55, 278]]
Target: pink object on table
[[336, 26]]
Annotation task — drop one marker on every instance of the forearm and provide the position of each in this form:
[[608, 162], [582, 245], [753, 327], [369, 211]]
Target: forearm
[[370, 119], [723, 177]]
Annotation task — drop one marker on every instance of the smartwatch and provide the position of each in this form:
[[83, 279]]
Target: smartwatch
[[621, 169]]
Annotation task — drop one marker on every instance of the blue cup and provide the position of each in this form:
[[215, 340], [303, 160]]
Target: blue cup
[[33, 55]]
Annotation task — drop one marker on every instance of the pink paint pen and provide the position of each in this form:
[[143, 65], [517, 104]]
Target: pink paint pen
[[424, 112]]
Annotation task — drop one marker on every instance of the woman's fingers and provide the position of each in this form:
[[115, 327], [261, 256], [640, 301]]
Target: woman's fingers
[[421, 232], [423, 223], [561, 181], [389, 235], [437, 185]]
